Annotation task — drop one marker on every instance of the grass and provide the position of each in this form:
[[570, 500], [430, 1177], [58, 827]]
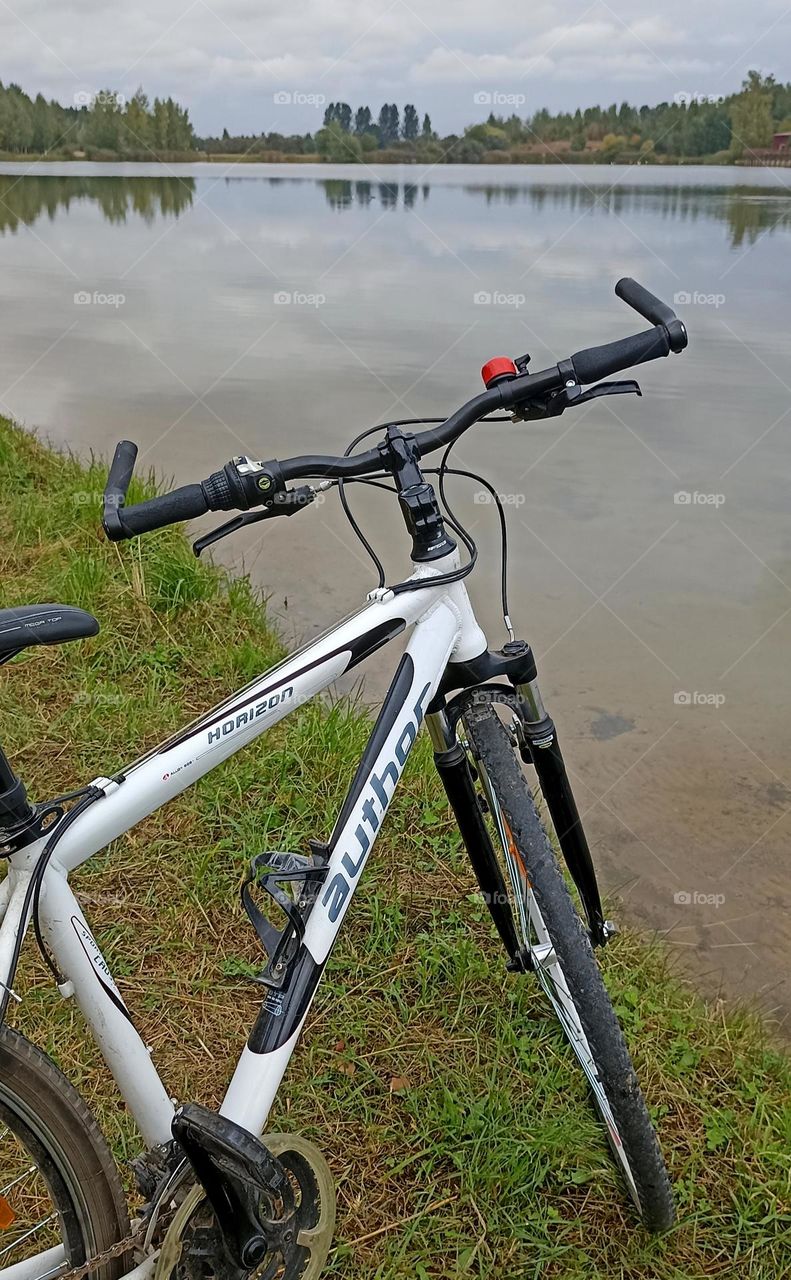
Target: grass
[[456, 1123]]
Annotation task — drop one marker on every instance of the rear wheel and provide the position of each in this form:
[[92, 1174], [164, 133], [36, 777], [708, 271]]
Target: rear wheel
[[560, 954], [60, 1195]]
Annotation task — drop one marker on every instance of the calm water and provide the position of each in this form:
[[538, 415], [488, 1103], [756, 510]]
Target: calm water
[[662, 627]]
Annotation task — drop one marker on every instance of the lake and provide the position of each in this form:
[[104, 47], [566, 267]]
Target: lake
[[205, 311]]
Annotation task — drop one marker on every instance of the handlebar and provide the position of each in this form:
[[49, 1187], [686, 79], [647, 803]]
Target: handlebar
[[185, 503], [244, 483], [644, 303]]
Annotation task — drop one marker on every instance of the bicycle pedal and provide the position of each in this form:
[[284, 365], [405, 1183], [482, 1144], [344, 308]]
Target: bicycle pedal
[[302, 877]]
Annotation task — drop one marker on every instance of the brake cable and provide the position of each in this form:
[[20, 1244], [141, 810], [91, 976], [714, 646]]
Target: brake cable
[[472, 475], [85, 797], [457, 574]]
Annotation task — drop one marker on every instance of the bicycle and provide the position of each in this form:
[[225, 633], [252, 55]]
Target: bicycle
[[219, 1199]]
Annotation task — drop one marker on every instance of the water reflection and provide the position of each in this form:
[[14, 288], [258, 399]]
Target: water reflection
[[24, 200], [748, 211]]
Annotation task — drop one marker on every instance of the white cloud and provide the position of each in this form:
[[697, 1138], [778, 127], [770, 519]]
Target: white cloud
[[221, 57]]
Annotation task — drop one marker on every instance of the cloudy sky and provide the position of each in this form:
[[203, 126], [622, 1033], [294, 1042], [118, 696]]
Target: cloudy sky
[[228, 59]]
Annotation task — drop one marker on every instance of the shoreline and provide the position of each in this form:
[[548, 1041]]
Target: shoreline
[[373, 159]]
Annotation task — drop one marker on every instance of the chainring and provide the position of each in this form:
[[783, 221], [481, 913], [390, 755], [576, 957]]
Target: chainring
[[193, 1249]]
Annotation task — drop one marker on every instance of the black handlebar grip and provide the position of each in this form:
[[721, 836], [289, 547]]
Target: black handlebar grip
[[186, 503], [121, 468], [644, 303], [115, 491], [600, 362]]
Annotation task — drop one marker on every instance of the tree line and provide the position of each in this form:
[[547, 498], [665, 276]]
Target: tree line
[[97, 124], [690, 127], [346, 135]]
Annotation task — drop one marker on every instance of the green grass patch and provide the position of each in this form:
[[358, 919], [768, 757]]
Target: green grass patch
[[454, 1116]]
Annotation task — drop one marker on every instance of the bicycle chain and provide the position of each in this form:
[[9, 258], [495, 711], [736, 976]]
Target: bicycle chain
[[132, 1241], [107, 1255]]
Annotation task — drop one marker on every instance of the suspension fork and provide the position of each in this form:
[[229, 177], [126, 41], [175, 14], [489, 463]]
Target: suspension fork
[[539, 746], [454, 770]]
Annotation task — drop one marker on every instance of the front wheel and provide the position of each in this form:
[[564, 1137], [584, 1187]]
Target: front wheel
[[560, 954]]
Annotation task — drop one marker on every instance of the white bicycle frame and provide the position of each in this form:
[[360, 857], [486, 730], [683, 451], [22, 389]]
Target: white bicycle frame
[[444, 628]]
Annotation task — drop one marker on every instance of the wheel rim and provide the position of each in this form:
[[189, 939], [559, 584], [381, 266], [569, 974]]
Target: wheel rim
[[39, 1212]]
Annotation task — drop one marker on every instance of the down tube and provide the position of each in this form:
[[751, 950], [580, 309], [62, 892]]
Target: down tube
[[264, 1060]]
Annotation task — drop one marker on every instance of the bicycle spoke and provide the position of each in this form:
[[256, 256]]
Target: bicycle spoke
[[17, 1180], [550, 976], [31, 1232]]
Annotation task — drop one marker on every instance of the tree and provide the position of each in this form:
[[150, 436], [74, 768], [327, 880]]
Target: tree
[[45, 128], [578, 140], [491, 136], [752, 120], [362, 121], [104, 126], [426, 131], [137, 121], [178, 130], [468, 151], [388, 125], [612, 144], [383, 126], [339, 113], [411, 123], [336, 146], [159, 125]]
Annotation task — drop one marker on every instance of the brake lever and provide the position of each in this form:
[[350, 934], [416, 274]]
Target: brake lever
[[284, 504], [575, 395], [559, 401]]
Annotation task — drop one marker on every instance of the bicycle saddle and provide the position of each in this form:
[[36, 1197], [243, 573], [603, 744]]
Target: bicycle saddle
[[42, 624]]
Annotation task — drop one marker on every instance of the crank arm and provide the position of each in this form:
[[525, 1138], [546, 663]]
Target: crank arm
[[238, 1173]]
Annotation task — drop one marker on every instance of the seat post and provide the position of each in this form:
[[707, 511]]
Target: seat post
[[15, 808]]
